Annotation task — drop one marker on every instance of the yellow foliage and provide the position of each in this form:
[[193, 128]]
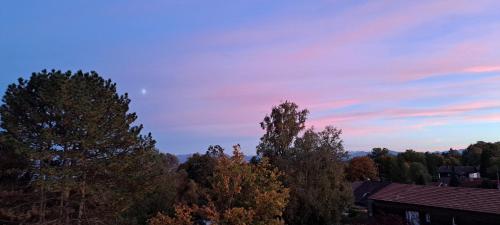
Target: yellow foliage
[[240, 194]]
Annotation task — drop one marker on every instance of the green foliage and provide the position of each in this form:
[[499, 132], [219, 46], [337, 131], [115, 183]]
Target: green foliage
[[200, 167], [384, 163], [472, 155], [452, 158], [378, 153], [312, 164], [433, 162], [418, 173], [413, 156], [88, 162], [158, 194], [319, 192], [71, 153], [407, 167], [282, 127], [401, 174], [485, 155], [14, 164]]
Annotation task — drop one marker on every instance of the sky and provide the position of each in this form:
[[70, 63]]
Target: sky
[[421, 75]]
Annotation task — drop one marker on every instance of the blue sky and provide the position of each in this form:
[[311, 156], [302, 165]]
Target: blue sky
[[423, 74]]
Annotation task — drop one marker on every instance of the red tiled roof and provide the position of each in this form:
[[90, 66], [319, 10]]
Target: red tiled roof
[[468, 199], [365, 189]]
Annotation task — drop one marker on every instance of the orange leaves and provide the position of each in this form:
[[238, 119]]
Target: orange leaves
[[362, 168], [183, 216], [238, 193]]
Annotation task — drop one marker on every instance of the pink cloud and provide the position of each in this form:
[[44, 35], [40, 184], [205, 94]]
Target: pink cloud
[[445, 110], [309, 47], [482, 69], [450, 111], [388, 24], [323, 65], [489, 118]]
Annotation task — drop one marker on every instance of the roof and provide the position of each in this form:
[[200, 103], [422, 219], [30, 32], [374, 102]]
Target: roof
[[356, 184], [458, 198], [460, 170], [363, 190]]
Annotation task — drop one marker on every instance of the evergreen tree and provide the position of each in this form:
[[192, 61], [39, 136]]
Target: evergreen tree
[[87, 159]]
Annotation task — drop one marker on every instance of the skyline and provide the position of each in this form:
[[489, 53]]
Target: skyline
[[422, 75]]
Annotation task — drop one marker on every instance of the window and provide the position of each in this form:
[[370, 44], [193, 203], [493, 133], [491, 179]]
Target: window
[[412, 217], [474, 175], [427, 218]]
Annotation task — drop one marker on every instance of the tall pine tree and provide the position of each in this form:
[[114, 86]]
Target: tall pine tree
[[87, 159]]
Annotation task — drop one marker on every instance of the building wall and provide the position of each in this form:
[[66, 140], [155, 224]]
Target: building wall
[[438, 216]]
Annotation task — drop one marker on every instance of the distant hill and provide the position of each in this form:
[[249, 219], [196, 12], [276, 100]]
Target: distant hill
[[184, 157], [353, 154]]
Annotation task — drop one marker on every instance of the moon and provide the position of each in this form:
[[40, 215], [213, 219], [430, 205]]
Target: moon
[[144, 91]]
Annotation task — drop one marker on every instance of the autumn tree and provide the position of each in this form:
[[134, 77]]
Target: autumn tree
[[87, 159], [361, 169], [237, 193]]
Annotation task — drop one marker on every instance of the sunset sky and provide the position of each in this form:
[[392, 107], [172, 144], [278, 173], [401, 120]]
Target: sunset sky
[[423, 75]]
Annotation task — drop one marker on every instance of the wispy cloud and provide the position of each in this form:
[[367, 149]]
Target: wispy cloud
[[386, 72]]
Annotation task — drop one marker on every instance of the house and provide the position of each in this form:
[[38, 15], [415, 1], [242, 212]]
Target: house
[[362, 190], [461, 173], [421, 205]]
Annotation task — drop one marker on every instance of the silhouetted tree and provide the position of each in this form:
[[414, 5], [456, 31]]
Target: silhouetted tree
[[312, 164], [433, 162], [281, 128], [382, 159], [472, 155], [452, 158], [200, 167], [418, 173], [86, 156], [378, 153]]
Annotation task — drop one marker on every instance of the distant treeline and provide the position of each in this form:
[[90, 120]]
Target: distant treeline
[[71, 154], [421, 168]]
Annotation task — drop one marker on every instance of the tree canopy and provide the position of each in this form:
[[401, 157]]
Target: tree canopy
[[85, 158], [312, 164], [71, 152], [361, 169], [237, 192]]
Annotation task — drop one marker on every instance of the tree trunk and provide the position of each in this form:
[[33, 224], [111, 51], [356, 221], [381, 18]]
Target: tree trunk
[[82, 200], [42, 204]]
